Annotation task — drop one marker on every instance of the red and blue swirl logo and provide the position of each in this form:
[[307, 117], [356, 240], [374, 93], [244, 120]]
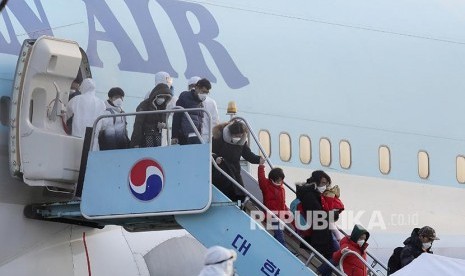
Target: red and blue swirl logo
[[146, 179]]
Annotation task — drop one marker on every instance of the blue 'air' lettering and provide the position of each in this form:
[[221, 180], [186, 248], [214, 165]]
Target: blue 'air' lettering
[[191, 43], [131, 59], [33, 25]]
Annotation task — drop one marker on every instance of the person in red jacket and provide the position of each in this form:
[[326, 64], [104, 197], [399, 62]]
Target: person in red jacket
[[274, 196], [357, 242], [330, 201]]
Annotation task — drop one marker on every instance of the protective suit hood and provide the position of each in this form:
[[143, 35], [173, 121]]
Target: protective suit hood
[[163, 77], [85, 108], [219, 262], [87, 86]]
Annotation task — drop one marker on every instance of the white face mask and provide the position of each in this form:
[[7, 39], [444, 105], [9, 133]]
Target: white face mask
[[276, 183], [118, 102], [160, 101], [202, 97], [235, 140], [321, 189], [427, 245], [360, 242]]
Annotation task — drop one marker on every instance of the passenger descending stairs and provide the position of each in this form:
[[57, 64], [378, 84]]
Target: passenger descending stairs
[[163, 188], [374, 266]]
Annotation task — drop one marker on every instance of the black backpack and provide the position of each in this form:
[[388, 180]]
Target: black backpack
[[394, 262]]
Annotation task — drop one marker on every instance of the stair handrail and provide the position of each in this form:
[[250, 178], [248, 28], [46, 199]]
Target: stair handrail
[[375, 260], [257, 141], [260, 147], [186, 113], [351, 252], [175, 109], [263, 207]]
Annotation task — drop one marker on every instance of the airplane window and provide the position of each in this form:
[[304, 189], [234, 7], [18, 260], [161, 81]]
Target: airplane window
[[423, 164], [325, 152], [5, 103], [265, 141], [285, 147], [384, 156], [345, 155], [305, 149], [460, 163]]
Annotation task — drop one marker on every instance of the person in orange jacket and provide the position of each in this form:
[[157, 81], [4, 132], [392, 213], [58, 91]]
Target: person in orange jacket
[[274, 196], [357, 242]]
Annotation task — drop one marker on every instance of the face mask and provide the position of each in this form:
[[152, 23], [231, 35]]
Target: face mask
[[118, 102], [360, 242], [160, 101], [321, 189], [202, 97], [427, 245], [235, 140], [276, 183]]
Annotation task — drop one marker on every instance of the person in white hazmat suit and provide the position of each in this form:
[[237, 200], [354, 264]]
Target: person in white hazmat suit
[[85, 108], [162, 77], [219, 262]]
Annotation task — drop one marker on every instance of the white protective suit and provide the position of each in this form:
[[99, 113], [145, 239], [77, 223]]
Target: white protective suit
[[210, 105], [219, 262], [161, 77], [85, 108]]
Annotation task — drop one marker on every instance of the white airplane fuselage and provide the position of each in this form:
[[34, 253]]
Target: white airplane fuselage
[[371, 74]]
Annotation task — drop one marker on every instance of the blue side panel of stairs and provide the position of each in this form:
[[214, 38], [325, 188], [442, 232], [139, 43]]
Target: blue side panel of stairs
[[258, 252], [147, 182]]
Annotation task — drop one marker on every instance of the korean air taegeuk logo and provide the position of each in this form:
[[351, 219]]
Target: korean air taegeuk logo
[[146, 179]]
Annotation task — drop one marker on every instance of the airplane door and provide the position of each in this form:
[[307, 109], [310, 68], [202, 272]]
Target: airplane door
[[40, 150]]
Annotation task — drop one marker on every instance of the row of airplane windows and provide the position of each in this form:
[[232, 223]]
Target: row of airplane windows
[[305, 150], [345, 154]]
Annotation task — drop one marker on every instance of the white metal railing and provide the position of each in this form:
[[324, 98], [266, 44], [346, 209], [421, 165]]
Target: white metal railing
[[347, 252], [314, 252], [284, 225], [257, 142], [176, 109]]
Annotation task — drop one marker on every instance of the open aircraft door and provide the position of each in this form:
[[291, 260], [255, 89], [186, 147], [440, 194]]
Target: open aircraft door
[[41, 152]]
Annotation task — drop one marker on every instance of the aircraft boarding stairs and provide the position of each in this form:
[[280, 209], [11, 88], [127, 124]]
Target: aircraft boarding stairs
[[161, 188], [307, 256]]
